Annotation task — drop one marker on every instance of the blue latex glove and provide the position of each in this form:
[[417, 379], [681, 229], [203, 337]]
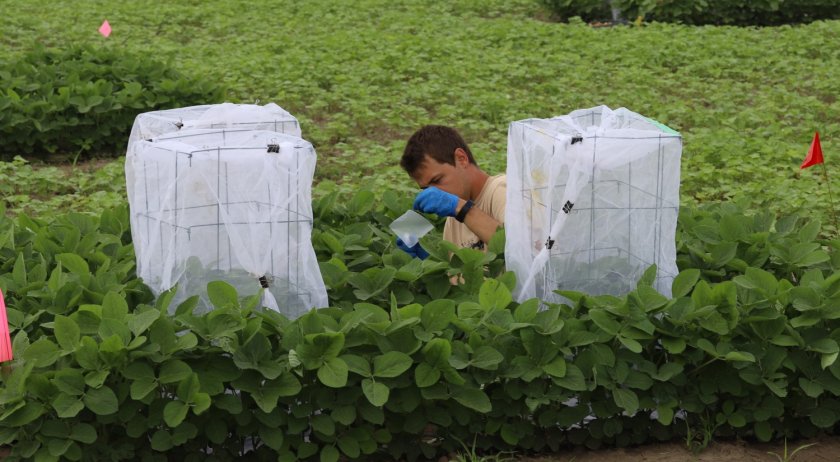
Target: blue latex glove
[[415, 251], [434, 200]]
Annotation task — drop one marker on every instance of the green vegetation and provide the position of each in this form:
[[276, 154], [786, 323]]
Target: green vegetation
[[362, 78], [82, 100], [747, 347], [720, 12]]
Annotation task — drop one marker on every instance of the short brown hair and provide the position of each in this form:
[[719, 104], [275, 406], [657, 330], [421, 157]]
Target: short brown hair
[[436, 141]]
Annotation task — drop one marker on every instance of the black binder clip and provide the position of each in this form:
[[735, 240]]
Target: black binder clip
[[549, 243], [567, 207], [577, 139], [273, 147], [264, 282]]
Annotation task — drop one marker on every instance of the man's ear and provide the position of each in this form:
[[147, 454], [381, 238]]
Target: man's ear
[[461, 158]]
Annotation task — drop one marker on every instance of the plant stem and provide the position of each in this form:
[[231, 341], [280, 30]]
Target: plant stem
[[830, 198]]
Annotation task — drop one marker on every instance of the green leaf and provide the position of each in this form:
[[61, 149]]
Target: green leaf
[[526, 311], [391, 364], [175, 412], [333, 373], [556, 368], [376, 392], [824, 345], [102, 401], [757, 279], [66, 333], [287, 385], [319, 348], [322, 423], [357, 365], [272, 437], [425, 375], [329, 454], [630, 344], [823, 417], [161, 441], [684, 282], [605, 321], [344, 415], [141, 388], [42, 353], [188, 388], [174, 370], [437, 352], [222, 294], [472, 398], [83, 433], [349, 446], [486, 357], [739, 356], [140, 322], [626, 399], [665, 415], [70, 381], [114, 307], [67, 406], [573, 380], [437, 315], [494, 294], [827, 360], [74, 263], [811, 388]]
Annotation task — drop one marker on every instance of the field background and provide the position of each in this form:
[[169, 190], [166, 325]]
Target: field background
[[362, 76]]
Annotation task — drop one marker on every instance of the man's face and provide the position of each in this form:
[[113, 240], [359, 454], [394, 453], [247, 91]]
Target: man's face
[[449, 178]]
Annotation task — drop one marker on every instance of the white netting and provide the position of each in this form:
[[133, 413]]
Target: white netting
[[269, 117], [592, 202], [232, 205]]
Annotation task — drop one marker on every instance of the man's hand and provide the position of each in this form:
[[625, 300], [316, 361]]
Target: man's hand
[[434, 200], [415, 251]]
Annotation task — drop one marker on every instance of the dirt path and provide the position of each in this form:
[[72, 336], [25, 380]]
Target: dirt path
[[825, 449]]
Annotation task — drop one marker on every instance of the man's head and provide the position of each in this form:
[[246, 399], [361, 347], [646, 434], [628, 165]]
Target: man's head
[[436, 155], [436, 141]]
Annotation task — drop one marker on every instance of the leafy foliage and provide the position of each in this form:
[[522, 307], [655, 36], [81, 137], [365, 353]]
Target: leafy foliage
[[406, 364], [83, 99], [731, 12], [746, 100], [718, 12], [38, 190]]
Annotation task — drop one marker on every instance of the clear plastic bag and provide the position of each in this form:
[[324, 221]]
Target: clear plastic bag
[[410, 227]]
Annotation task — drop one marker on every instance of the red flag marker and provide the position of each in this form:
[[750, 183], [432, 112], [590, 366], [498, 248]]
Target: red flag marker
[[105, 29], [5, 339], [815, 155]]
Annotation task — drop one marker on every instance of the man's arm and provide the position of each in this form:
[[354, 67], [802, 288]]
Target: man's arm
[[483, 225]]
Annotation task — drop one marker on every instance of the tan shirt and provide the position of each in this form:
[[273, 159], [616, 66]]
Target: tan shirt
[[491, 200]]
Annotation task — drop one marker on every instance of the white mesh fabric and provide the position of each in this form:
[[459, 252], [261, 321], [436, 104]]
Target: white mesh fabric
[[217, 205], [269, 117], [592, 202]]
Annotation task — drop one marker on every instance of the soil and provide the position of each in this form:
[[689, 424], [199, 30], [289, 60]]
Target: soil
[[825, 449]]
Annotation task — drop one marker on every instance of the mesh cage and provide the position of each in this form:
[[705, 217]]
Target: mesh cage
[[231, 205], [269, 117], [592, 203]]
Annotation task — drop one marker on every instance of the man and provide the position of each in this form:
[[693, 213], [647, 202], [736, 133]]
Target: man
[[454, 186]]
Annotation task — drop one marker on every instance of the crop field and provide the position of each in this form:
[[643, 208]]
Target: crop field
[[403, 363], [362, 77]]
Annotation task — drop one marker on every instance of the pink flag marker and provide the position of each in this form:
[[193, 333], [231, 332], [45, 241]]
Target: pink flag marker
[[105, 28], [5, 338]]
